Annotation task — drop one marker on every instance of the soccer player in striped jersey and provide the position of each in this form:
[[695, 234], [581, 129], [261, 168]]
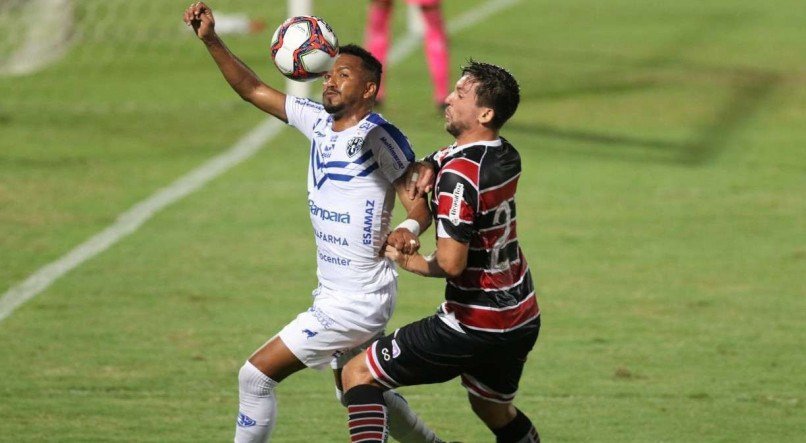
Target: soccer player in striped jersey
[[357, 163], [490, 319]]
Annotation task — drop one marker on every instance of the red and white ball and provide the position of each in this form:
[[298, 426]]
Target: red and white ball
[[304, 48]]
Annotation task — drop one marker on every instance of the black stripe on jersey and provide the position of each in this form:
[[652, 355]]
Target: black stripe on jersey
[[482, 258], [488, 218], [492, 298]]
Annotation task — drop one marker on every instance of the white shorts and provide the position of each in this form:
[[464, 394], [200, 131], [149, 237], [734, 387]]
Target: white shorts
[[338, 325]]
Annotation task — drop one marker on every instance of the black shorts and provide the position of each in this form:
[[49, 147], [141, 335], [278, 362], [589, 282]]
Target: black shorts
[[430, 351]]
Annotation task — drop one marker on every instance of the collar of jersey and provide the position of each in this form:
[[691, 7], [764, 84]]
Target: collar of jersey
[[492, 143]]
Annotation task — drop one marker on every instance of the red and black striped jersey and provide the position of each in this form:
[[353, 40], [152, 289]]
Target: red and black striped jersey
[[474, 202]]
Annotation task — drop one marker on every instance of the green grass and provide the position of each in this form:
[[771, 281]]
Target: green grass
[[661, 209]]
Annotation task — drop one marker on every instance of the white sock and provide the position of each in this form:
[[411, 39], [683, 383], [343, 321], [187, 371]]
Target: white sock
[[257, 405], [404, 425]]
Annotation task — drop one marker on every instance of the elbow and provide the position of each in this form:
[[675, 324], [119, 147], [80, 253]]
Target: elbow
[[246, 96], [453, 270]]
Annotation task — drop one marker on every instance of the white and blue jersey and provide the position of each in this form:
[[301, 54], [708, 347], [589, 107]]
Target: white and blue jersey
[[350, 193]]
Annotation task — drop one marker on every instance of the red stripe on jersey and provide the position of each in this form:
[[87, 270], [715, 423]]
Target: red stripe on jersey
[[494, 319], [488, 237], [464, 167], [491, 198], [492, 279], [445, 203]]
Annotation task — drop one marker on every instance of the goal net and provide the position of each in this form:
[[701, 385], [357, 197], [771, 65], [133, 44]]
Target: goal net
[[94, 53]]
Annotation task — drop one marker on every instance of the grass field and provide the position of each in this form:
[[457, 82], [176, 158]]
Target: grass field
[[661, 208]]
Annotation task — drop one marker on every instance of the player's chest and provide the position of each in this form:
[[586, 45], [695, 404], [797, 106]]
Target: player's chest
[[329, 145]]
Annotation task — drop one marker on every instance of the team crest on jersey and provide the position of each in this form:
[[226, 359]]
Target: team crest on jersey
[[354, 146]]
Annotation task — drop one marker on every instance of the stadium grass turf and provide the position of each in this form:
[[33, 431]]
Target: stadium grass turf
[[660, 208]]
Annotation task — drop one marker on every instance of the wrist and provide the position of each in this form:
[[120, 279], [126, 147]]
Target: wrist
[[410, 224], [211, 40]]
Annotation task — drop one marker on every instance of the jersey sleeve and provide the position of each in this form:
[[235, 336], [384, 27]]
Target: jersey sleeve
[[457, 198], [391, 150], [304, 114]]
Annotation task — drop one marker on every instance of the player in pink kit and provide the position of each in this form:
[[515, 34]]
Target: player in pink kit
[[376, 40]]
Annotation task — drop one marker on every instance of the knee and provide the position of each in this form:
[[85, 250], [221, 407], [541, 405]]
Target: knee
[[252, 381], [356, 373], [494, 415]]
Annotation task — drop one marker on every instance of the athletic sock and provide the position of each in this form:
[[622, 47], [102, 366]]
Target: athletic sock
[[436, 51], [376, 37], [405, 425], [519, 430], [257, 405], [366, 414]]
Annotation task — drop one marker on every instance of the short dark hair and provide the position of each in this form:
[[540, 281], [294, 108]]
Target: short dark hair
[[496, 88], [370, 64]]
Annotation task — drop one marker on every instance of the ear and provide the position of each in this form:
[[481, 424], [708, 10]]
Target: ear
[[370, 88], [486, 116]]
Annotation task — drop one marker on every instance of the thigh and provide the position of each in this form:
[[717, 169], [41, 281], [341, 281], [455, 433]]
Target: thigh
[[424, 352], [497, 377], [334, 325]]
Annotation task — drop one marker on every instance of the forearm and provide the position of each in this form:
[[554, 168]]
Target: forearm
[[426, 266], [421, 215], [242, 79]]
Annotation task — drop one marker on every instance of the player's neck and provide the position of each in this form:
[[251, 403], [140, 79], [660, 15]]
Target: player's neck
[[479, 134], [348, 119]]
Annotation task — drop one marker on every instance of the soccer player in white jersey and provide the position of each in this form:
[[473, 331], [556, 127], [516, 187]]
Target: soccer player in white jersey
[[357, 164]]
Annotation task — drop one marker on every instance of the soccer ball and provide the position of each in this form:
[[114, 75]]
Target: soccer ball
[[303, 48]]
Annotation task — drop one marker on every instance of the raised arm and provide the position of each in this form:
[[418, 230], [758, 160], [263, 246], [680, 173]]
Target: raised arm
[[242, 79]]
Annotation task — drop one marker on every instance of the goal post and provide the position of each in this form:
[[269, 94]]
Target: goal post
[[295, 8], [38, 33]]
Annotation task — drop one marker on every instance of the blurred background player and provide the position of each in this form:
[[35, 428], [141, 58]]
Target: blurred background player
[[376, 40], [357, 162]]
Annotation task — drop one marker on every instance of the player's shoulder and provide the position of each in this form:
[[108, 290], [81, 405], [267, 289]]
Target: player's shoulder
[[376, 125], [305, 104], [386, 135]]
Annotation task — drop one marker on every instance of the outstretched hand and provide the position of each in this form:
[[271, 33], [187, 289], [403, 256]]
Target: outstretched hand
[[200, 17]]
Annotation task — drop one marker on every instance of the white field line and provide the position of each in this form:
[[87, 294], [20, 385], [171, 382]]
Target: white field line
[[131, 220]]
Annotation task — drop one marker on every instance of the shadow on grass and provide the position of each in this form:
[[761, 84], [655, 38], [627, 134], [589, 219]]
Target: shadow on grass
[[749, 89]]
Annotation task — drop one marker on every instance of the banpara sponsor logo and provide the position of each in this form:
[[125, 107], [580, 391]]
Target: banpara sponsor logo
[[328, 215]]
